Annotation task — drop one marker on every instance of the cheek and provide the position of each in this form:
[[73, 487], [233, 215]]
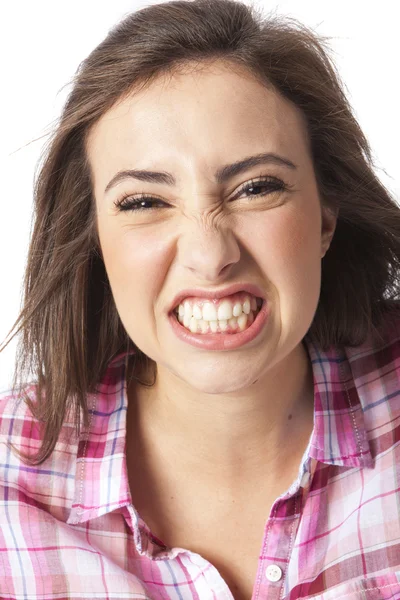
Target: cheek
[[134, 261], [285, 240], [286, 246], [300, 265]]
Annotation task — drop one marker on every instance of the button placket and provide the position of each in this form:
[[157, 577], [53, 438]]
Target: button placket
[[279, 539]]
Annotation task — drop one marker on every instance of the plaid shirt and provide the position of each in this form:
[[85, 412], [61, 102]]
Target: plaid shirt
[[69, 529]]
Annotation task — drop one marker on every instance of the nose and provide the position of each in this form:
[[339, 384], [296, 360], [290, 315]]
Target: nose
[[209, 253]]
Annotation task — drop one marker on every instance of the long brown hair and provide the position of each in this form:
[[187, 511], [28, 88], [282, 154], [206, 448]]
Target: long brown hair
[[69, 322]]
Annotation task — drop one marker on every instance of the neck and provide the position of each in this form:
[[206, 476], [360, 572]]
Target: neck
[[266, 424]]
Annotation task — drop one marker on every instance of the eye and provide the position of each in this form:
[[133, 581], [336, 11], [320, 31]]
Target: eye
[[146, 202], [270, 184], [141, 202]]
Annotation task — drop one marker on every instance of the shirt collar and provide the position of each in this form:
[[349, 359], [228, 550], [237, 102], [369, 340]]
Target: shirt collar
[[101, 478], [338, 437]]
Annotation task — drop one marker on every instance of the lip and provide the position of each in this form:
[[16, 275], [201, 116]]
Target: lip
[[216, 294], [222, 341]]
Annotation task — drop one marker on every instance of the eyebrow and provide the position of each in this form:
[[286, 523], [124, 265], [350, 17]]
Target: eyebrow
[[221, 176]]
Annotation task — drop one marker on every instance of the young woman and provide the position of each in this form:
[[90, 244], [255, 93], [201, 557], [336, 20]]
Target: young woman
[[212, 315]]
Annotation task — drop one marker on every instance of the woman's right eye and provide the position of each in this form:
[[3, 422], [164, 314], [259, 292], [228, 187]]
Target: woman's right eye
[[137, 203]]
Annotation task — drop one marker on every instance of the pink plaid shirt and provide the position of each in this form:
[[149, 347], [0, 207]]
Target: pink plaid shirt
[[69, 529]]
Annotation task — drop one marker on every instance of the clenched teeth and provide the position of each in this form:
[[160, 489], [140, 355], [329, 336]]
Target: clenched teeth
[[229, 315]]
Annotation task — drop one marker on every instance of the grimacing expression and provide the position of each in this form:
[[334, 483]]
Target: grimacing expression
[[208, 234]]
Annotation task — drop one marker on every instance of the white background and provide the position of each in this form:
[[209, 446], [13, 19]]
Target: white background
[[43, 42]]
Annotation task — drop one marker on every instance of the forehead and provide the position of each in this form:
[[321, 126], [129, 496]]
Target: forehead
[[209, 115]]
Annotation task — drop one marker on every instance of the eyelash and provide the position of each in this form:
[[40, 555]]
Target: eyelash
[[129, 202]]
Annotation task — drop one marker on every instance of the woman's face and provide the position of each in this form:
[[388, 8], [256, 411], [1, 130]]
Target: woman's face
[[207, 234]]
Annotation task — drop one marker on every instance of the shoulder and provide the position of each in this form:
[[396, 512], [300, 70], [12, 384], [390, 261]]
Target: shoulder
[[18, 422], [15, 413], [375, 369], [49, 485]]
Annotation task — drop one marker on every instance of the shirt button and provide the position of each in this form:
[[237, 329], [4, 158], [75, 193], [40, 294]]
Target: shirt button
[[273, 573]]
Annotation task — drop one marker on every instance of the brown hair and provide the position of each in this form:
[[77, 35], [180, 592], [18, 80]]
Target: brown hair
[[69, 322]]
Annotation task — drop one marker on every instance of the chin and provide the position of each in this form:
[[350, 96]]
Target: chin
[[219, 381]]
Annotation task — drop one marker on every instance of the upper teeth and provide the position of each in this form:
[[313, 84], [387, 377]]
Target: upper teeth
[[207, 311]]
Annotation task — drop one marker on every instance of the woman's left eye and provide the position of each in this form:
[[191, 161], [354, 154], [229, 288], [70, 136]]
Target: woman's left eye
[[271, 184], [145, 202]]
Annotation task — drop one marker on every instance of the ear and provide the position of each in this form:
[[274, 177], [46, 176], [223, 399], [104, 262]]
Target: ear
[[328, 227]]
